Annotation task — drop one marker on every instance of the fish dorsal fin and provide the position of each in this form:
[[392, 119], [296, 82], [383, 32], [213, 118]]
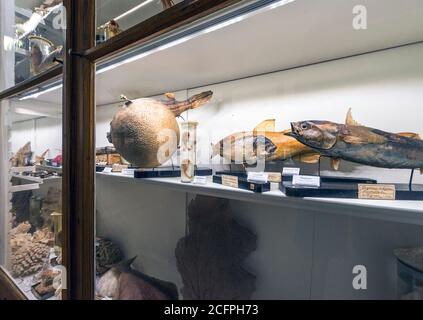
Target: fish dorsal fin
[[411, 135], [170, 96], [124, 98], [349, 120], [125, 264], [308, 158], [266, 125]]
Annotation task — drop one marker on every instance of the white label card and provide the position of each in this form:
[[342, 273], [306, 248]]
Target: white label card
[[261, 177], [200, 180], [287, 171], [306, 181], [128, 172], [107, 170]]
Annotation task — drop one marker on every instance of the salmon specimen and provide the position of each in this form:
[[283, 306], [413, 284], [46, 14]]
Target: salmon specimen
[[145, 131], [356, 143], [263, 143]]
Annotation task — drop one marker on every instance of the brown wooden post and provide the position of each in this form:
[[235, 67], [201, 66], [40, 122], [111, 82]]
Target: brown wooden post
[[79, 151]]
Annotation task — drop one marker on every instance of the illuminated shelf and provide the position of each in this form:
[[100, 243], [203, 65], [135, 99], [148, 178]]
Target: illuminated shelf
[[397, 211]]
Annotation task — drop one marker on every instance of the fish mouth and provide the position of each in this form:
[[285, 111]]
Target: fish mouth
[[294, 130], [202, 98]]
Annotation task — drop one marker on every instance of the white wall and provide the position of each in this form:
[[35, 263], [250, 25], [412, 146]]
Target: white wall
[[300, 254], [43, 133], [383, 89]]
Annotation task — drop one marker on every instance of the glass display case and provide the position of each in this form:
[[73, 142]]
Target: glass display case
[[33, 36], [112, 19], [32, 220], [215, 149], [295, 107]]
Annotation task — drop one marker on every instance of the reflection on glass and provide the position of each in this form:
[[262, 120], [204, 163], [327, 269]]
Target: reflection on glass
[[34, 214], [113, 16], [33, 38]]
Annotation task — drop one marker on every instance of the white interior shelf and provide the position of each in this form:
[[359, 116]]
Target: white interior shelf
[[397, 211]]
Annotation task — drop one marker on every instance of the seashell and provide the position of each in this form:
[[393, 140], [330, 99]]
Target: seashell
[[122, 282]]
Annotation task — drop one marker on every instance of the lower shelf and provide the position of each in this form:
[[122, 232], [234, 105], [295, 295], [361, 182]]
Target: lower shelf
[[397, 211]]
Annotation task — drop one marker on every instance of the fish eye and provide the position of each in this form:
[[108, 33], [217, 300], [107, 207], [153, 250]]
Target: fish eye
[[304, 126]]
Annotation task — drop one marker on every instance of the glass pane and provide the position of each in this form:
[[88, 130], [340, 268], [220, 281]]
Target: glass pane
[[32, 215], [33, 33], [115, 16], [293, 196]]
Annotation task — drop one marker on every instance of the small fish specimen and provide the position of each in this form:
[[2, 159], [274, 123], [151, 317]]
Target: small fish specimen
[[141, 127], [167, 4], [263, 143], [110, 29], [357, 143]]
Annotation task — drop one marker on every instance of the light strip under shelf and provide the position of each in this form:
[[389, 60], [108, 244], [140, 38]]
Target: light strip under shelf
[[214, 27]]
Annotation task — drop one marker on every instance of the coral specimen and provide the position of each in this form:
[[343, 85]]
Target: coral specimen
[[210, 257], [29, 252], [107, 255]]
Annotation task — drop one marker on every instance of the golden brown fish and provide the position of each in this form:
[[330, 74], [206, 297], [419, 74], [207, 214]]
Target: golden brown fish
[[263, 143]]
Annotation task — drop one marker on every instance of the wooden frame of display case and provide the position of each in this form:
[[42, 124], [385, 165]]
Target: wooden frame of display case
[[8, 290], [78, 186]]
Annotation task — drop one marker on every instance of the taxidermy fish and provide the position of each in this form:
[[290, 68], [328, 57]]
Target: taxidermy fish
[[263, 143], [122, 282], [357, 143], [138, 129]]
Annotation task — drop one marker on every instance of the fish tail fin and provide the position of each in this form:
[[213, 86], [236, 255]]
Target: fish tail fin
[[193, 102]]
